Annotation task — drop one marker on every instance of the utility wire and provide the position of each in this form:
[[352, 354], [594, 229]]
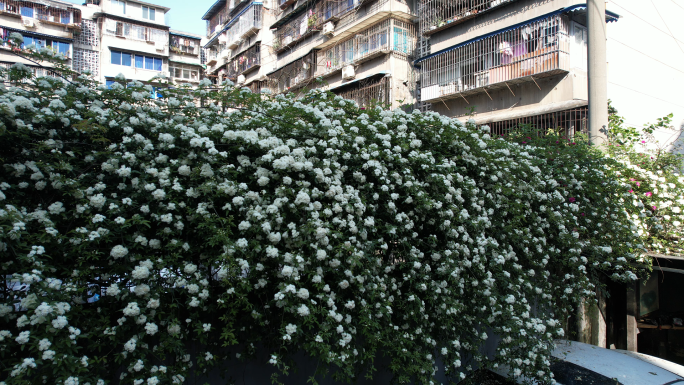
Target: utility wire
[[677, 4], [651, 57], [651, 96], [652, 25], [668, 28]]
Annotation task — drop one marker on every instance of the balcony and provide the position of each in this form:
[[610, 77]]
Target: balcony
[[295, 75], [184, 46], [438, 15], [534, 50], [389, 35], [368, 92], [247, 23], [245, 62], [296, 30], [45, 12]]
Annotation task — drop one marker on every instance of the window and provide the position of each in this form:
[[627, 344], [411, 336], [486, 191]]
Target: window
[[137, 61], [56, 46], [148, 13], [27, 11], [66, 18], [119, 6]]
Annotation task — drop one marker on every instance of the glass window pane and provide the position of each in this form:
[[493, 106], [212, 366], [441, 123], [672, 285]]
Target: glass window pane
[[186, 74], [27, 11], [63, 48], [145, 12], [149, 63], [152, 14], [126, 59], [66, 18], [109, 84], [139, 60], [158, 64], [116, 57]]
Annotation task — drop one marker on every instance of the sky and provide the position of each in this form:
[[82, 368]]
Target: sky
[[645, 62]]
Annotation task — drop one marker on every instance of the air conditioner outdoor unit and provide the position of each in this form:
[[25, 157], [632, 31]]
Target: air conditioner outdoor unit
[[348, 72], [241, 79], [51, 18], [159, 46], [328, 28], [233, 44], [28, 22]]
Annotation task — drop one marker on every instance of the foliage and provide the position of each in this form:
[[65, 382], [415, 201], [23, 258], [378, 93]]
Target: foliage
[[653, 173], [215, 221]]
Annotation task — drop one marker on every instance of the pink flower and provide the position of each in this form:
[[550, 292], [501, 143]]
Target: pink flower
[[631, 191], [648, 194], [572, 199], [654, 208], [632, 179], [582, 214], [638, 184], [643, 141]]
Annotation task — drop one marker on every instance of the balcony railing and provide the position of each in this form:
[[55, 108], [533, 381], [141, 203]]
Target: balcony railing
[[540, 48], [389, 35], [45, 11], [367, 92], [295, 75], [249, 22], [245, 62], [436, 15], [217, 21], [185, 46]]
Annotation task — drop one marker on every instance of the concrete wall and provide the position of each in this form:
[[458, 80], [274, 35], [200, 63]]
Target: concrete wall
[[516, 12], [551, 90], [134, 11], [44, 28]]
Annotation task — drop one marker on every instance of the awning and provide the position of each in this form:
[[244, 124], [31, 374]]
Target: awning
[[610, 16], [385, 73]]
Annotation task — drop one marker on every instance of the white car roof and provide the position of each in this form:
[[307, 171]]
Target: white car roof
[[626, 368]]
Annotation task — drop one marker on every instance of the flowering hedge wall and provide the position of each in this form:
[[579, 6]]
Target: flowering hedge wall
[[141, 238]]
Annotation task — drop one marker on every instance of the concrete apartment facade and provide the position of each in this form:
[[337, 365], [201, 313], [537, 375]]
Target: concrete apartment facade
[[105, 38], [238, 41], [185, 65], [506, 62], [48, 23], [359, 49]]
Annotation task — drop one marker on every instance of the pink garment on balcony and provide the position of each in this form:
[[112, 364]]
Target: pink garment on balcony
[[508, 52]]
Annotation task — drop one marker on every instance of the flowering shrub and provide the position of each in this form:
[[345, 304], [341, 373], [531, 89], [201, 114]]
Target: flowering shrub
[[655, 182], [142, 238]]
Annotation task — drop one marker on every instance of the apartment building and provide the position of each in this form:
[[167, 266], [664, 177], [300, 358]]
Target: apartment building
[[238, 42], [185, 65], [506, 62], [359, 49], [45, 23]]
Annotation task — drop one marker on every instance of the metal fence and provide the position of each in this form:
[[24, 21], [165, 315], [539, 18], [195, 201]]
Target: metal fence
[[365, 93], [244, 62], [568, 122], [531, 49], [436, 15], [389, 35]]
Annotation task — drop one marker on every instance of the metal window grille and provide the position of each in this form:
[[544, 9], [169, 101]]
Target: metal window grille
[[389, 35], [540, 47], [368, 92], [295, 75], [569, 122], [258, 86], [295, 30], [436, 15], [244, 62], [45, 11], [185, 45]]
